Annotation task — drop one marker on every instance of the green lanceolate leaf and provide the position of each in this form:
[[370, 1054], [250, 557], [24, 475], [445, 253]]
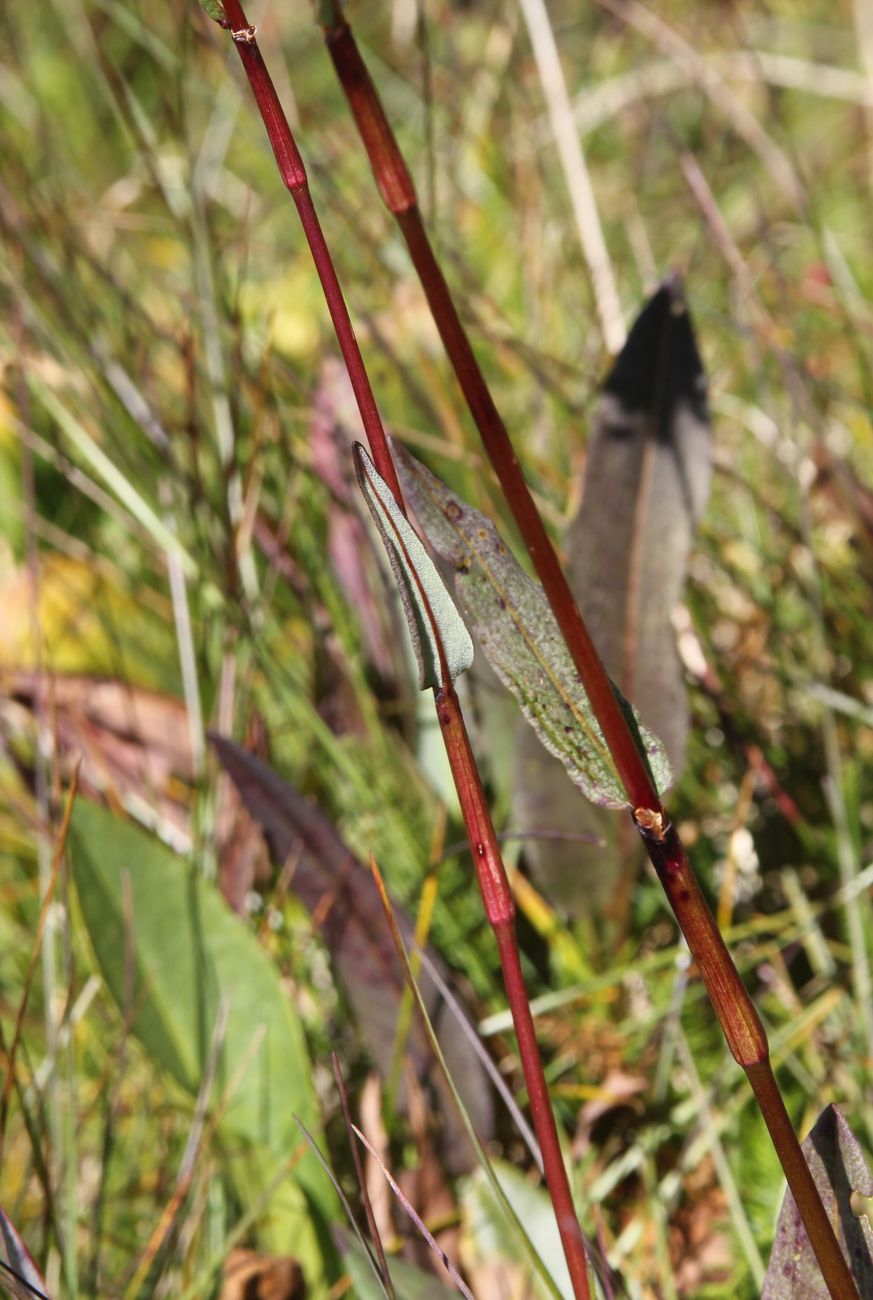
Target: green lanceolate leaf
[[433, 620], [521, 638], [489, 1237], [176, 960]]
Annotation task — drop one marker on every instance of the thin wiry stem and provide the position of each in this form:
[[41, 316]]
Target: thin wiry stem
[[736, 1011], [491, 873]]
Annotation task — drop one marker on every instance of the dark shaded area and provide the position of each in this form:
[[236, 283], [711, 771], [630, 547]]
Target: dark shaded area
[[659, 366]]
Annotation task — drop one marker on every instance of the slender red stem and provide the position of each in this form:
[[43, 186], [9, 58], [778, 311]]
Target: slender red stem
[[500, 910], [490, 871], [745, 1037], [398, 191], [736, 1011], [294, 177], [819, 1228]]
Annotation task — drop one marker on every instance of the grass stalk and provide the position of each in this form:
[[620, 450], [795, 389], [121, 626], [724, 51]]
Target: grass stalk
[[490, 870], [733, 1006]]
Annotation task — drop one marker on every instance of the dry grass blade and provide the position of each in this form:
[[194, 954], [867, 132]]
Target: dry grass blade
[[600, 1265], [185, 1176], [362, 1181], [422, 1227]]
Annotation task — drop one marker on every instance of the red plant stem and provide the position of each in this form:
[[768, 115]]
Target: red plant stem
[[294, 177], [736, 1011], [398, 191], [746, 1038], [490, 871], [500, 910], [831, 1260]]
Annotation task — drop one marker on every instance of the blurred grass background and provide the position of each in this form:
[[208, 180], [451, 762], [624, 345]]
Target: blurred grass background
[[167, 519]]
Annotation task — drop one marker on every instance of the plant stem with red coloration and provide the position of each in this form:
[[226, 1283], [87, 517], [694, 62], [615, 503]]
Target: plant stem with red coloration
[[398, 192], [490, 871], [745, 1036], [294, 177], [736, 1011], [500, 910]]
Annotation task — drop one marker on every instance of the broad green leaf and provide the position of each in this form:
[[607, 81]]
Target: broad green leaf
[[520, 636], [647, 475], [430, 611], [839, 1169], [171, 952]]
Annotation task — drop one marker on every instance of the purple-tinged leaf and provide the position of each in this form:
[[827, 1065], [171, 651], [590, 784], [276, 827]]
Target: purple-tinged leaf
[[840, 1172], [334, 415], [439, 1253], [337, 890]]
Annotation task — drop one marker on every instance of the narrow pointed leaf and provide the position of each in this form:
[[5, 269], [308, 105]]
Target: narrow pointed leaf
[[434, 622], [520, 636], [491, 1243], [838, 1167], [646, 483], [409, 1282]]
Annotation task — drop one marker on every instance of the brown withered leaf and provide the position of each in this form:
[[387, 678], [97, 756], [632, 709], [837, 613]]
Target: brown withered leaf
[[133, 742], [646, 484], [839, 1169], [341, 896]]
